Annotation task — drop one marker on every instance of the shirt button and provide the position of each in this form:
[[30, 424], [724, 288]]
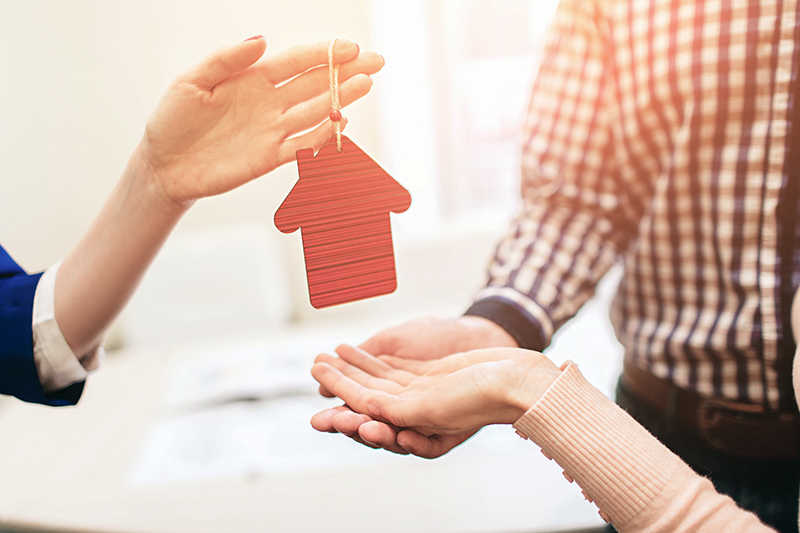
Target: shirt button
[[521, 435], [588, 499], [545, 454], [604, 516], [567, 476]]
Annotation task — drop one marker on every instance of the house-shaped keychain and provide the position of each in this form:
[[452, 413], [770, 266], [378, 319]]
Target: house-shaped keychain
[[342, 203]]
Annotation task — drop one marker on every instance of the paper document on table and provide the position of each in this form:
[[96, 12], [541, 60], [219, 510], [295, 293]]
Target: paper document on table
[[242, 412], [244, 373], [246, 439]]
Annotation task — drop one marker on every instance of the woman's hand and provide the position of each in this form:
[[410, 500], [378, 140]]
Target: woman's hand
[[230, 120], [225, 122], [425, 338], [446, 398]]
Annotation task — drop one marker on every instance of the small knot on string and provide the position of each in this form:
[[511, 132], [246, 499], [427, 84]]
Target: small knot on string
[[336, 114]]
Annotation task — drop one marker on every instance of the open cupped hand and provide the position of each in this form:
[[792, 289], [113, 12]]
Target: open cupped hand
[[435, 404]]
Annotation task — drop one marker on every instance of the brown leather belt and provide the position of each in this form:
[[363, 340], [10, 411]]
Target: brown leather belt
[[737, 429]]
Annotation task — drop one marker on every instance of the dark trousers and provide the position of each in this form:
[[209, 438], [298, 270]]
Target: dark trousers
[[769, 488]]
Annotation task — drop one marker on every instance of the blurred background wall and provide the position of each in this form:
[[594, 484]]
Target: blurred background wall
[[80, 78]]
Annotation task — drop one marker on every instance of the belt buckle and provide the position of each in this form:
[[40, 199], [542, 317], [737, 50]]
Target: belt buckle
[[713, 408], [746, 430]]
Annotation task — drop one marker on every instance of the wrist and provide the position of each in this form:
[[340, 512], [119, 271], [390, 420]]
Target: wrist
[[530, 383], [486, 333], [98, 277], [525, 332], [151, 182]]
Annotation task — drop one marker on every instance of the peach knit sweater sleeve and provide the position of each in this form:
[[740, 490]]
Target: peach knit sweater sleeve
[[636, 482]]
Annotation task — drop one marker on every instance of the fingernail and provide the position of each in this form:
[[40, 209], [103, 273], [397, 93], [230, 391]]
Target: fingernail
[[346, 42], [254, 38], [373, 409]]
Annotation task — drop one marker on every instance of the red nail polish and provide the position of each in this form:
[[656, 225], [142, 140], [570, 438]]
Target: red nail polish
[[254, 38]]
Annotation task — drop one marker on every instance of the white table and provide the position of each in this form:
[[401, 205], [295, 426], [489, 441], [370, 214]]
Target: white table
[[127, 460]]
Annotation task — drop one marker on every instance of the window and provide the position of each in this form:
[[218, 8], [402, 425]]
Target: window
[[453, 103]]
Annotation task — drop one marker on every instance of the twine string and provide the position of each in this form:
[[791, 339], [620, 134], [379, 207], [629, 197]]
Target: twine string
[[333, 77]]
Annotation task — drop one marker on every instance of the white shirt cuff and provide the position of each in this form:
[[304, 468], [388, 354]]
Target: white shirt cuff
[[56, 364]]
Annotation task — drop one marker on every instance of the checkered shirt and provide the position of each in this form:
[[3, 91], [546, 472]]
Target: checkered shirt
[[660, 135]]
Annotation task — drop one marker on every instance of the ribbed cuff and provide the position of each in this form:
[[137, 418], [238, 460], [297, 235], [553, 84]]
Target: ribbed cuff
[[617, 463], [521, 327]]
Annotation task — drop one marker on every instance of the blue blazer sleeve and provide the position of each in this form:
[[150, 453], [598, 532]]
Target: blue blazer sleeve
[[18, 376]]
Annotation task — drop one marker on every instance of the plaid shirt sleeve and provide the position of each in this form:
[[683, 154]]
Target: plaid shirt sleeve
[[579, 211]]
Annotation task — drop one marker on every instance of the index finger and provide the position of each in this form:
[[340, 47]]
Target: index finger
[[355, 395], [365, 379], [298, 59], [225, 62], [365, 361]]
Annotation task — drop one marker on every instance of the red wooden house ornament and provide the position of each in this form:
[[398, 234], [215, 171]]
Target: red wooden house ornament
[[342, 203]]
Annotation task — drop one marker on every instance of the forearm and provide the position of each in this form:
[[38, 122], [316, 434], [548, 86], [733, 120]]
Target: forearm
[[579, 211], [545, 269], [633, 479], [99, 275]]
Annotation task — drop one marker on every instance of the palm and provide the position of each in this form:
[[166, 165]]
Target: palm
[[218, 143]]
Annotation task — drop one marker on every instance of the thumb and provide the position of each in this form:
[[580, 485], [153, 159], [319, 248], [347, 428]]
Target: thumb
[[380, 344], [226, 61], [393, 410]]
